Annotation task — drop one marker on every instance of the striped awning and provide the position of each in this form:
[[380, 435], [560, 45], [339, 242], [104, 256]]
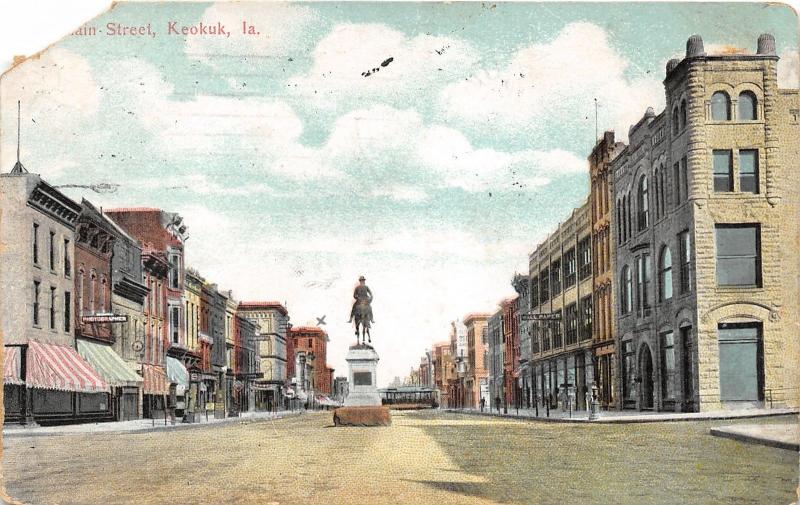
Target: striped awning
[[11, 366], [176, 372], [108, 363], [155, 380], [59, 367]]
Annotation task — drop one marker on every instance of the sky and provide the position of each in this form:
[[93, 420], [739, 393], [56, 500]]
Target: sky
[[298, 167]]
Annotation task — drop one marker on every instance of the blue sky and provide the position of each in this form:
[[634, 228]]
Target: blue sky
[[433, 177]]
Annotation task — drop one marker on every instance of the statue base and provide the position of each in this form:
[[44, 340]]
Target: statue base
[[362, 360], [362, 416]]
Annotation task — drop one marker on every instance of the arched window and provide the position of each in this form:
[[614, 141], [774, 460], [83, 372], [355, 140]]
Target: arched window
[[103, 294], [683, 114], [665, 274], [628, 218], [747, 106], [676, 126], [619, 222], [642, 204], [93, 292], [81, 285], [657, 206], [720, 106], [663, 189], [626, 290]]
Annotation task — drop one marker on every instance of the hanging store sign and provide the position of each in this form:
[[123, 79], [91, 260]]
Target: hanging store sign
[[545, 316], [105, 318]]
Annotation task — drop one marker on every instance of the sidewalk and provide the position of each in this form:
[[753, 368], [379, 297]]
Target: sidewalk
[[625, 416], [782, 436], [139, 425]]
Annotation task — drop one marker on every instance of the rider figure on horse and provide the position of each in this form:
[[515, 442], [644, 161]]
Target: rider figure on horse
[[363, 296]]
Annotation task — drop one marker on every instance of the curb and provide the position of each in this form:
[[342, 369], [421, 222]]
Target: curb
[[752, 439], [620, 420], [33, 432]]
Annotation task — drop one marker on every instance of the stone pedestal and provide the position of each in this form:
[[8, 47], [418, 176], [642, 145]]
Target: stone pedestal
[[362, 360]]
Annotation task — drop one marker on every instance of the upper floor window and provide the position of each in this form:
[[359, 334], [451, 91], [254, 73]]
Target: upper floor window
[[685, 261], [626, 290], [36, 293], [586, 317], [584, 258], [569, 268], [723, 171], [555, 276], [35, 243], [544, 285], [67, 259], [534, 291], [748, 170], [683, 114], [643, 204], [174, 271], [738, 254], [174, 322], [52, 245], [747, 106], [643, 282], [665, 275], [676, 126], [720, 106]]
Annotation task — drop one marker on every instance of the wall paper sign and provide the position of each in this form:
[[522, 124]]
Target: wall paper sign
[[562, 238]]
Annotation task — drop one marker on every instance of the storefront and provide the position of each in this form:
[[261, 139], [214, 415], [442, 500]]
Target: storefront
[[124, 382], [178, 377], [48, 383], [156, 391]]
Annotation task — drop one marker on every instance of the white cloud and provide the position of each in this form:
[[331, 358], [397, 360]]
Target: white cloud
[[553, 84], [282, 28], [351, 50]]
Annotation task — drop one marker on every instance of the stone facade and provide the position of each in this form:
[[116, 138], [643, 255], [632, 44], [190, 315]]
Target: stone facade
[[273, 319], [561, 284], [706, 211]]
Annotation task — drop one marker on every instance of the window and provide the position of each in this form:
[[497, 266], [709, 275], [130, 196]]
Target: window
[[720, 106], [544, 285], [52, 308], [571, 323], [175, 322], [748, 170], [35, 244], [534, 292], [535, 338], [668, 366], [676, 175], [684, 178], [52, 250], [67, 311], [546, 336], [738, 254], [626, 290], [570, 268], [747, 106], [683, 114], [741, 362], [656, 193], [174, 271], [619, 223], [584, 258], [685, 261], [628, 372], [67, 260], [104, 295], [642, 204], [92, 292], [555, 277], [36, 290], [665, 275], [642, 283], [310, 343], [586, 317], [557, 335], [675, 121], [723, 171]]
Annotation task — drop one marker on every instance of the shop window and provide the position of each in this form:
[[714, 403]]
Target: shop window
[[738, 254]]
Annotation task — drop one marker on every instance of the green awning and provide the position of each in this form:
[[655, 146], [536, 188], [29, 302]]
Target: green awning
[[176, 372], [108, 364]]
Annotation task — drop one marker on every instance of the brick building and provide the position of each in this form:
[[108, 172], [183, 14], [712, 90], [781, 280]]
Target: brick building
[[442, 371], [307, 349], [706, 209], [603, 246], [476, 383]]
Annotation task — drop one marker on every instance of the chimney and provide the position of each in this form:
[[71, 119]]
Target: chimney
[[694, 46]]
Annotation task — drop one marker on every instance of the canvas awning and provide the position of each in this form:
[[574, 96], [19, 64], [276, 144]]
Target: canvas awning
[[177, 373], [108, 364], [59, 367], [11, 366], [155, 380]]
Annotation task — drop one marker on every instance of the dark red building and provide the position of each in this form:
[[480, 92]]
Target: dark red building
[[310, 342]]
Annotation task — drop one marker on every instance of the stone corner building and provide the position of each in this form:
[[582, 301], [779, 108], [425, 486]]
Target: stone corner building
[[705, 229]]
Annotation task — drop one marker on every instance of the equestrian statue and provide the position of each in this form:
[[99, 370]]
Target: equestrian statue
[[362, 312]]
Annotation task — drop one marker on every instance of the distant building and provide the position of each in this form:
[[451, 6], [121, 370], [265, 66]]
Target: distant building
[[307, 353], [341, 388], [273, 321], [476, 384], [494, 327]]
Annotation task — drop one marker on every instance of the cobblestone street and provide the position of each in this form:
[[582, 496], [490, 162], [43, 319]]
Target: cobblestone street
[[424, 457]]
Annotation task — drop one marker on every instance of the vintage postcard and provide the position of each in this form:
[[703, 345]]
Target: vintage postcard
[[403, 252]]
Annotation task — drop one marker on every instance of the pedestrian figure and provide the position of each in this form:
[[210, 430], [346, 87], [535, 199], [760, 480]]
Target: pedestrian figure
[[483, 403], [497, 403]]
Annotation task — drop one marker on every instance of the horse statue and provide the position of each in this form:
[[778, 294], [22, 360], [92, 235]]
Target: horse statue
[[361, 313]]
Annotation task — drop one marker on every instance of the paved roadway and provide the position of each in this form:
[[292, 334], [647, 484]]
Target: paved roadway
[[424, 457]]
